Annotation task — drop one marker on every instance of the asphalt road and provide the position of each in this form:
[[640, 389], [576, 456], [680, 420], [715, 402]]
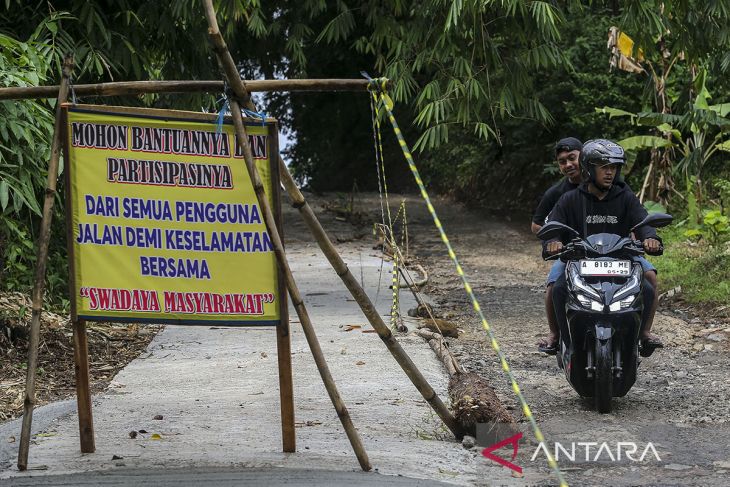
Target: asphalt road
[[219, 477]]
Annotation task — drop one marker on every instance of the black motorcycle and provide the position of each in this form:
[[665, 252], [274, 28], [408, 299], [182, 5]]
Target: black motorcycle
[[599, 349]]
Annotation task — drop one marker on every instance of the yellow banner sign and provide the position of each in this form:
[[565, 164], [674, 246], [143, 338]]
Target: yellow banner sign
[[165, 224]]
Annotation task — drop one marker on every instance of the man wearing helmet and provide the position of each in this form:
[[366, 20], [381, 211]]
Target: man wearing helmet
[[567, 156], [602, 204]]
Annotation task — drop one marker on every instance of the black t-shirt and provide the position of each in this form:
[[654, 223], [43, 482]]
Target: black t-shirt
[[549, 199], [617, 213]]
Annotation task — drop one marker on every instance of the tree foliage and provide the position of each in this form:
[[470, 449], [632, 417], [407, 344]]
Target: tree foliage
[[26, 128], [465, 63], [483, 87]]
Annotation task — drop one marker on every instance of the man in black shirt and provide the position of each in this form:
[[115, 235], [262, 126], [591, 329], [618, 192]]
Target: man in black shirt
[[567, 155], [601, 206]]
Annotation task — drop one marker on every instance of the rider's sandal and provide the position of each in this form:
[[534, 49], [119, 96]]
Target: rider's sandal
[[548, 348], [648, 345]]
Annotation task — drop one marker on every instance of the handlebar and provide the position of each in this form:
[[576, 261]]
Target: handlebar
[[576, 249], [569, 250], [640, 245]]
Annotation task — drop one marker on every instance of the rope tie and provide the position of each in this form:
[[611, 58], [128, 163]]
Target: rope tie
[[221, 114], [382, 186], [71, 88]]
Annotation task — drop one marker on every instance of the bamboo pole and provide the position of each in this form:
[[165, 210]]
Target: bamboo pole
[[229, 67], [40, 269], [349, 280], [438, 345], [122, 88]]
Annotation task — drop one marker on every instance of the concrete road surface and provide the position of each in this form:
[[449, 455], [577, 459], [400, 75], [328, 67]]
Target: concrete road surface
[[217, 392]]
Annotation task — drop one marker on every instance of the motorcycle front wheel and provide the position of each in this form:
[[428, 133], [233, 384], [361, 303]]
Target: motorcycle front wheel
[[603, 376]]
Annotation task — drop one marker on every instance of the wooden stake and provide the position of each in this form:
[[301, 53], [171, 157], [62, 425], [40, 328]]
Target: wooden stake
[[136, 88], [40, 269], [283, 338], [83, 389], [234, 80]]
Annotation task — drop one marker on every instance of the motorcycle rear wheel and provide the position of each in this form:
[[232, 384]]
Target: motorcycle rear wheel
[[603, 376]]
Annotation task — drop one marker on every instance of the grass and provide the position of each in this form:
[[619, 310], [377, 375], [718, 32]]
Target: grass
[[701, 269]]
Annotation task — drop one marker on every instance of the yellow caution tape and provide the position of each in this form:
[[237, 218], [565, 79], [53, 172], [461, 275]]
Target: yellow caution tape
[[377, 89]]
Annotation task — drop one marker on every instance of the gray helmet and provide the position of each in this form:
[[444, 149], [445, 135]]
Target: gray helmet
[[600, 152]]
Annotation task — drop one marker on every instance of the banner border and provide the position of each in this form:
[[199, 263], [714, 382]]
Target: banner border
[[140, 112]]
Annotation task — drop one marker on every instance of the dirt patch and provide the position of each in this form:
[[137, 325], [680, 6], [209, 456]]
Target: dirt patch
[[111, 348], [679, 401]]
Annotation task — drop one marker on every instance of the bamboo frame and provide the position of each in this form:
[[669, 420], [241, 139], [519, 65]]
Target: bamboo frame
[[40, 270], [356, 290], [83, 387], [227, 64], [122, 88], [84, 405], [283, 345], [81, 346]]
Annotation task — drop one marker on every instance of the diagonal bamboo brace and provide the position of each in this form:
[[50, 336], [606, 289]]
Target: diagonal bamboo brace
[[40, 270], [298, 201], [234, 80], [365, 304]]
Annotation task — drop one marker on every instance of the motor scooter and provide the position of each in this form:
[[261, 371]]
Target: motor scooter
[[599, 347]]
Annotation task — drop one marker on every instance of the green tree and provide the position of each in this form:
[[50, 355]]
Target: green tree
[[26, 128], [678, 39], [465, 63], [697, 136], [515, 170]]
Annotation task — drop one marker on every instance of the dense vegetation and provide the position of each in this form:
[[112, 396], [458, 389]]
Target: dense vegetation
[[482, 89]]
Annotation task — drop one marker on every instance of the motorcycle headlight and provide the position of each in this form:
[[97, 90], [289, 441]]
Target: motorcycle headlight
[[624, 303], [630, 289], [579, 283], [589, 303]]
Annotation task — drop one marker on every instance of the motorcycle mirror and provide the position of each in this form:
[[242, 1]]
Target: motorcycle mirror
[[655, 220], [554, 229]]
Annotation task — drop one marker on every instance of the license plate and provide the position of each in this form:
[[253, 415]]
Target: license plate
[[605, 267]]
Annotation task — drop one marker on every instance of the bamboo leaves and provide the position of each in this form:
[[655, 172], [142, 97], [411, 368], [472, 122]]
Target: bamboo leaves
[[546, 18], [4, 194], [476, 65], [340, 27], [452, 19]]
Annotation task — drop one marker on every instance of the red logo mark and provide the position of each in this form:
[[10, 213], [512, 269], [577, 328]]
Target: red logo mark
[[512, 440]]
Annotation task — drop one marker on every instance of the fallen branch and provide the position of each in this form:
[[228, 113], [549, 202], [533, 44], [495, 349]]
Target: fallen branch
[[438, 345], [413, 284], [107, 335]]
